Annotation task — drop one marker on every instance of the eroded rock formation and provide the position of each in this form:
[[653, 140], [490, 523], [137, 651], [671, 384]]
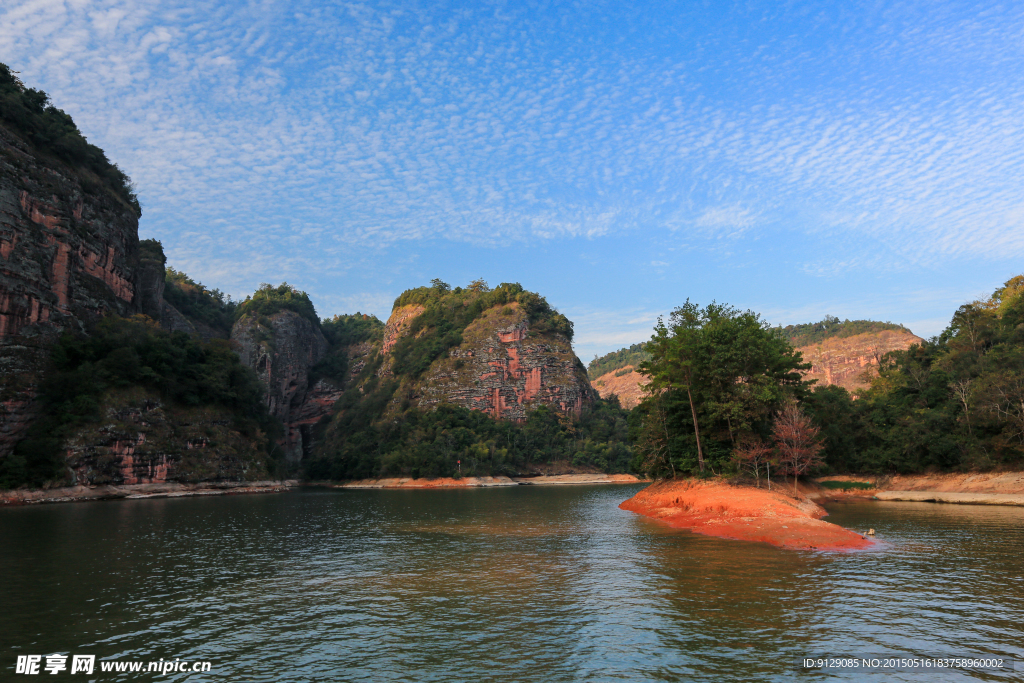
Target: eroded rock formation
[[282, 349], [68, 255], [505, 369], [141, 440], [848, 361], [626, 383]]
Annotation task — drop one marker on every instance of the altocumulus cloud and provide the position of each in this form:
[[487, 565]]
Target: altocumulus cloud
[[327, 131]]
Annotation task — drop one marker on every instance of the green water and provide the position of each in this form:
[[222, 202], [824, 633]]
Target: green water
[[511, 584]]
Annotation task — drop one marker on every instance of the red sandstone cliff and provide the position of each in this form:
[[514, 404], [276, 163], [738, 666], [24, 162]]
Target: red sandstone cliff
[[143, 440], [502, 367], [626, 383], [849, 361], [68, 255]]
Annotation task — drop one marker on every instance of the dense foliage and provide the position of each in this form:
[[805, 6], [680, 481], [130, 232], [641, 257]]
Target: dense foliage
[[953, 402], [633, 355], [448, 312], [341, 332], [717, 376], [195, 301], [268, 300], [831, 326], [430, 443], [120, 353], [31, 115]]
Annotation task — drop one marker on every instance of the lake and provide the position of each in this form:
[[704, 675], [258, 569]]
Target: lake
[[509, 584]]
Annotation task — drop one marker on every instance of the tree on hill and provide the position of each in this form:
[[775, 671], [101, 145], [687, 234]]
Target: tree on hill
[[196, 301], [616, 360]]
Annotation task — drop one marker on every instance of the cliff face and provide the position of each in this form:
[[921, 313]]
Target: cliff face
[[282, 349], [626, 383], [142, 440], [847, 361], [503, 368], [68, 255]]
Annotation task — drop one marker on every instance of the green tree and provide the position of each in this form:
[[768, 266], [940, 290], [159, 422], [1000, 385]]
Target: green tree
[[718, 373]]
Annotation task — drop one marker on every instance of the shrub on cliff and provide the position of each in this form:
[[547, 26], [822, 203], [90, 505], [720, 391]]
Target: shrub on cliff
[[119, 353], [194, 300], [30, 114], [268, 300]]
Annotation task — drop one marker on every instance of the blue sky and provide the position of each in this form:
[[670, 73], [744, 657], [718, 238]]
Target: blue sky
[[862, 159]]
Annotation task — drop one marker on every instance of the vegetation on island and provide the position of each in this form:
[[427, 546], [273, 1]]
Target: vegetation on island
[[831, 326], [126, 352], [717, 379], [616, 360], [31, 114]]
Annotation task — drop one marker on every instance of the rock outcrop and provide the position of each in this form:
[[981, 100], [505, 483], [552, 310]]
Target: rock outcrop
[[848, 361], [626, 383], [142, 440], [282, 349], [503, 368], [68, 255]]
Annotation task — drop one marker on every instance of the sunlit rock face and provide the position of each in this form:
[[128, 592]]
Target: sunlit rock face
[[504, 368], [626, 383], [282, 349], [68, 255], [850, 362]]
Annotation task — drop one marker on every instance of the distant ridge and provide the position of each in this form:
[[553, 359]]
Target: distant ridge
[[616, 360], [814, 333]]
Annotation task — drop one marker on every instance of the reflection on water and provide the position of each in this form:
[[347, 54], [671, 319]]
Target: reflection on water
[[521, 584]]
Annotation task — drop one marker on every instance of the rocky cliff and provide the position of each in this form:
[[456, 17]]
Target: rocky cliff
[[848, 361], [502, 367], [626, 383], [282, 348], [144, 440], [68, 255]]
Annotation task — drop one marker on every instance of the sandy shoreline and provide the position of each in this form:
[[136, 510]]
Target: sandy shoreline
[[988, 488], [139, 491], [487, 482]]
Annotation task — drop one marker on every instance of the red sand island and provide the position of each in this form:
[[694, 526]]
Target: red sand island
[[744, 513]]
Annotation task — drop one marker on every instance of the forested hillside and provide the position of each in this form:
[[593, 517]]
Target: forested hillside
[[814, 333], [632, 355], [410, 410], [954, 402]]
